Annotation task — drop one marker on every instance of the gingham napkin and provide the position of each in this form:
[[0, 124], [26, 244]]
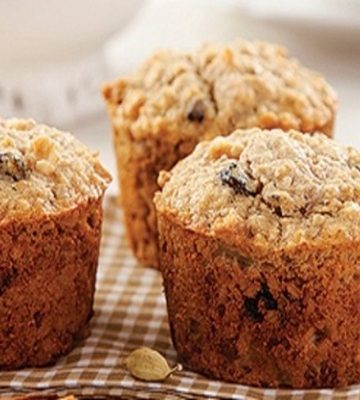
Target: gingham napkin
[[130, 311]]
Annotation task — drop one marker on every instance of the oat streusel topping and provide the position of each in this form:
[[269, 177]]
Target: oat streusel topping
[[194, 94], [279, 188], [43, 170]]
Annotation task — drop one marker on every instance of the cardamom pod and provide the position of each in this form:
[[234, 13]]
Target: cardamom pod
[[149, 365]]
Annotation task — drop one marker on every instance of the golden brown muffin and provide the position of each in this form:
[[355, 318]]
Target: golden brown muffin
[[175, 100], [51, 190], [260, 255]]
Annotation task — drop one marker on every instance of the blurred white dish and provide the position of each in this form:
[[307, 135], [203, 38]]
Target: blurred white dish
[[51, 64], [325, 19], [39, 31]]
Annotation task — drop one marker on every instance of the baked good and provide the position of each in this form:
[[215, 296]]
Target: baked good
[[260, 254], [175, 100], [51, 190]]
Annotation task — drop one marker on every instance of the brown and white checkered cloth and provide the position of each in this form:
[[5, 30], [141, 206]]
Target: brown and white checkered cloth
[[130, 312]]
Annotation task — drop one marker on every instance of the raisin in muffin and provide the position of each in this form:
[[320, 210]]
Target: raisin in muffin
[[260, 256], [175, 100], [51, 190]]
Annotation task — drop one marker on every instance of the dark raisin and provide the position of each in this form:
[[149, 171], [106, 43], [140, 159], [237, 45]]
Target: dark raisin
[[38, 317], [267, 297], [252, 304], [12, 166], [251, 307], [278, 211], [6, 278], [197, 112], [8, 331], [276, 341], [228, 350], [287, 259], [303, 210], [319, 336], [221, 310], [273, 342], [210, 279], [213, 329], [239, 181], [91, 221], [246, 369], [244, 261], [194, 326]]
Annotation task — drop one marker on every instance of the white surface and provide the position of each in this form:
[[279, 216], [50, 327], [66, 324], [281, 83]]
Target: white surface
[[185, 24]]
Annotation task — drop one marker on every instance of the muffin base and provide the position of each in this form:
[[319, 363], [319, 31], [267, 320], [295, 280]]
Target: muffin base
[[281, 319], [139, 164], [47, 282]]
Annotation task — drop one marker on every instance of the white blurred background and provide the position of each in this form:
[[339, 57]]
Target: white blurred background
[[55, 55]]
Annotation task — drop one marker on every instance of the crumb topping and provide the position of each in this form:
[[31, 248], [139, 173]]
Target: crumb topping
[[275, 187], [194, 94], [43, 170]]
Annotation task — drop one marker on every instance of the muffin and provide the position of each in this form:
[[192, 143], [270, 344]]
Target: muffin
[[176, 100], [51, 190], [260, 255]]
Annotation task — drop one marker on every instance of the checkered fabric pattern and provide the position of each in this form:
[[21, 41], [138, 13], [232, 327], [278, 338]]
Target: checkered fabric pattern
[[130, 311]]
